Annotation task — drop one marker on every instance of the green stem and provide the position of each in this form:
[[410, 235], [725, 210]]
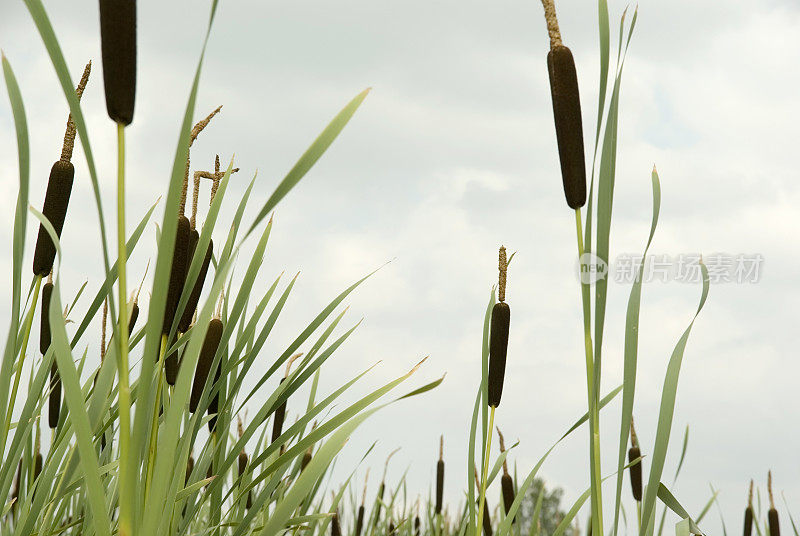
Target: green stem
[[25, 337], [154, 430], [484, 470], [125, 482], [594, 414]]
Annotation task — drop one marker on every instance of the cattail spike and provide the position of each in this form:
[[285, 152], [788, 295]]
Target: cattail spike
[[69, 135], [503, 267], [204, 362], [552, 23], [772, 514], [498, 340]]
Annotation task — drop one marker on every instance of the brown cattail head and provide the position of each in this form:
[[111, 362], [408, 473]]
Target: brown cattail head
[[636, 473], [44, 331], [177, 274], [277, 421], [133, 318], [336, 529], [359, 520], [172, 363], [439, 486], [772, 515], [213, 405], [189, 469], [54, 403], [378, 503], [507, 486], [118, 43], [569, 127], [390, 532], [56, 201], [242, 463], [487, 520], [37, 465], [498, 349], [417, 525], [194, 297], [204, 361], [306, 459]]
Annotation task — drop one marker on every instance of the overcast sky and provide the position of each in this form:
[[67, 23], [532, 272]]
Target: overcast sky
[[452, 154]]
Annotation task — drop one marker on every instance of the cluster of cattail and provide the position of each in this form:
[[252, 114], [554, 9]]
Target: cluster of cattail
[[566, 112], [634, 454]]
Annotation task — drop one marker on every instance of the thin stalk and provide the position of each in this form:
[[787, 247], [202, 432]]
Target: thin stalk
[[639, 514], [125, 482], [594, 414], [484, 470], [25, 337]]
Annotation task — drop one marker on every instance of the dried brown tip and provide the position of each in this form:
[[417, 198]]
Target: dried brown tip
[[239, 427], [195, 193], [364, 495], [290, 361], [203, 123], [69, 135], [769, 489], [441, 447], [634, 438], [552, 23], [502, 449], [503, 267], [138, 290], [750, 495]]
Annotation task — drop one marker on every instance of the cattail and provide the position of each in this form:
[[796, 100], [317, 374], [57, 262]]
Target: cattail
[[213, 405], [177, 274], [204, 362], [209, 473], [172, 363], [390, 532], [378, 505], [772, 515], [336, 529], [56, 201], [37, 465], [194, 297], [506, 482], [118, 43], [54, 400], [280, 412], [416, 525], [360, 520], [748, 513], [306, 459], [242, 468], [566, 111], [498, 341], [440, 477], [133, 318], [635, 470], [189, 469], [59, 188]]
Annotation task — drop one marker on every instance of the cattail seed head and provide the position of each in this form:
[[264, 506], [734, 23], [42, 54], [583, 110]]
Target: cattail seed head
[[56, 201], [133, 318], [306, 459], [177, 274], [507, 486], [498, 349], [277, 422], [487, 520], [636, 473], [194, 297], [569, 127], [37, 465], [118, 43], [172, 364], [205, 360], [54, 403], [336, 529], [440, 477], [359, 520], [417, 524], [189, 469], [242, 463], [44, 331]]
